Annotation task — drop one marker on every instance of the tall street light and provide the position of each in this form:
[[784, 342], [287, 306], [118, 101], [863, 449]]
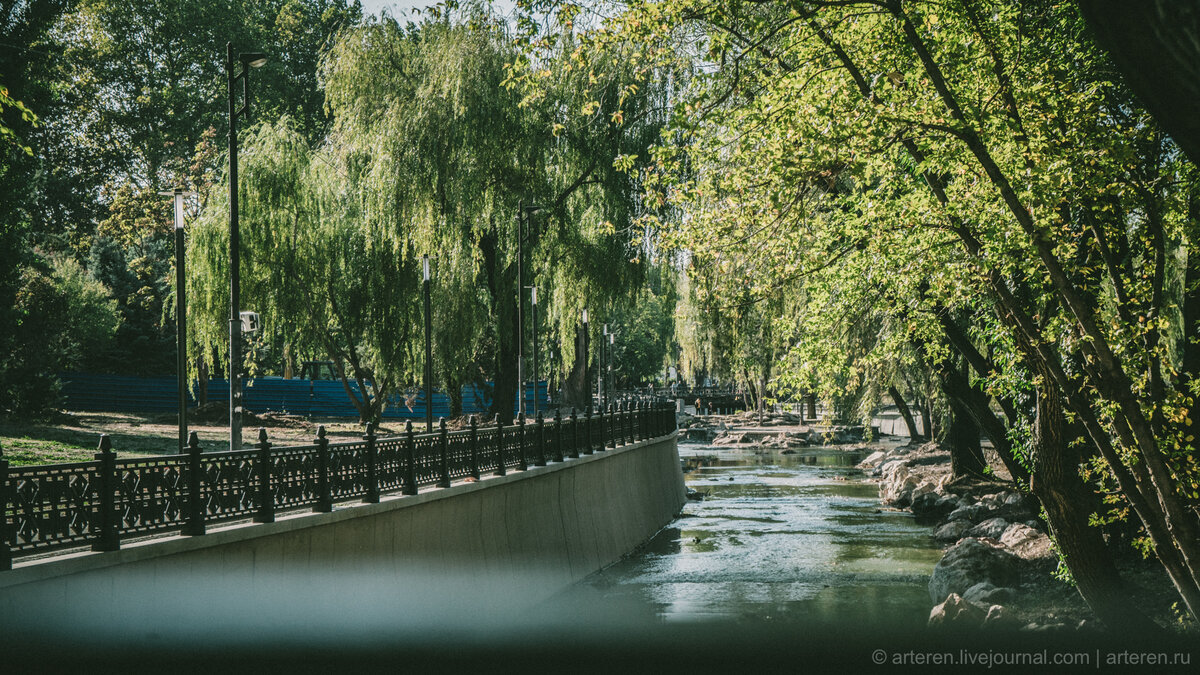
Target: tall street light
[[587, 388], [248, 60], [523, 213], [534, 330], [608, 377], [180, 313], [600, 366], [428, 350]]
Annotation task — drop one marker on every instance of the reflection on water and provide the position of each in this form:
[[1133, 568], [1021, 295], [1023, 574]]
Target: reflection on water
[[779, 538]]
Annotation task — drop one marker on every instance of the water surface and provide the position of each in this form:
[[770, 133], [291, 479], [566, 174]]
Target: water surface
[[778, 538]]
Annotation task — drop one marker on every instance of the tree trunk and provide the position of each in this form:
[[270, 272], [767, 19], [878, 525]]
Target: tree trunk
[[902, 406], [202, 387], [1057, 485], [454, 393], [501, 287], [577, 389], [962, 439]]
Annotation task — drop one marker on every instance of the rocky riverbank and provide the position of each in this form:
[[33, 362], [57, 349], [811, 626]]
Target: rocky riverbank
[[997, 570]]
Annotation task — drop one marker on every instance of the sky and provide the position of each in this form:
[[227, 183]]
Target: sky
[[396, 7]]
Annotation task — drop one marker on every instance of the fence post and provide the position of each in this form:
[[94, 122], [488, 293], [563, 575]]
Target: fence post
[[500, 470], [639, 417], [602, 424], [574, 433], [539, 459], [266, 496], [558, 451], [474, 448], [372, 455], [410, 459], [107, 538], [195, 517], [610, 429], [443, 450], [521, 463], [324, 498], [5, 541], [587, 445]]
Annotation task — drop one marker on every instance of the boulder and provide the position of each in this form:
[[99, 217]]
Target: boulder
[[956, 612], [1026, 542], [952, 531], [970, 562], [998, 617], [992, 528], [932, 506], [898, 490], [972, 512], [986, 594], [925, 487], [872, 460]]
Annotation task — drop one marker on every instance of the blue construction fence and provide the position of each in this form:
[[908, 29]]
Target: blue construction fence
[[307, 398]]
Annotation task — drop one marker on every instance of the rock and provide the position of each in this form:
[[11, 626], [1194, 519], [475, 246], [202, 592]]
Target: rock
[[1026, 542], [970, 562], [898, 490], [972, 512], [872, 460], [991, 528], [952, 531], [986, 593], [932, 506], [958, 613], [925, 487], [997, 617]]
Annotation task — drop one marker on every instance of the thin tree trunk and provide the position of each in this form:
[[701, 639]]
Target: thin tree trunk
[[902, 406]]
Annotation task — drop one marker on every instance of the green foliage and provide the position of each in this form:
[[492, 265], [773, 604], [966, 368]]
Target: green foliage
[[63, 317]]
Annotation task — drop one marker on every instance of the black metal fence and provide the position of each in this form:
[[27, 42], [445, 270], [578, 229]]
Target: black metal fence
[[101, 502]]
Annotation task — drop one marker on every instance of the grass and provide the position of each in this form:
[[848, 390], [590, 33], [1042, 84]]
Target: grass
[[75, 437]]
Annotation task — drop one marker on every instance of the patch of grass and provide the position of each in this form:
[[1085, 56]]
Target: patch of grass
[[75, 437], [26, 451]]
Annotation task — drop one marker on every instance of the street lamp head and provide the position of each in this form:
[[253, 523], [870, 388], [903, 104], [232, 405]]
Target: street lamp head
[[178, 194], [533, 293], [612, 338], [585, 315], [253, 59], [425, 265]]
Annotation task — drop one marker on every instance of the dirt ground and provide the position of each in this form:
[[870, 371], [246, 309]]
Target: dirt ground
[[74, 436]]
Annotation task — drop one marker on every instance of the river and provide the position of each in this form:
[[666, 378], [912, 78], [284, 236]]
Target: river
[[778, 538]]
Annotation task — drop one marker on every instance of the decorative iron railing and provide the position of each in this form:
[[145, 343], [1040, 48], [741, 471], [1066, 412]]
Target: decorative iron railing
[[101, 502]]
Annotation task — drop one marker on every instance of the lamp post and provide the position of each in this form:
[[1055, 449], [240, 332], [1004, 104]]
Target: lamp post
[[180, 313], [608, 376], [600, 367], [523, 213], [534, 327], [248, 60], [428, 351], [587, 388]]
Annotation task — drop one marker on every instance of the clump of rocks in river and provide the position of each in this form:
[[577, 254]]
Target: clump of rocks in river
[[998, 555], [773, 431]]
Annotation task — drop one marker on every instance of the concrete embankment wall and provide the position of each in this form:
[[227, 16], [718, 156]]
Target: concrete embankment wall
[[479, 546]]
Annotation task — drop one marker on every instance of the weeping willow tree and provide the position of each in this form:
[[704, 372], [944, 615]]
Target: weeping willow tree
[[432, 152], [447, 151], [313, 267]]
